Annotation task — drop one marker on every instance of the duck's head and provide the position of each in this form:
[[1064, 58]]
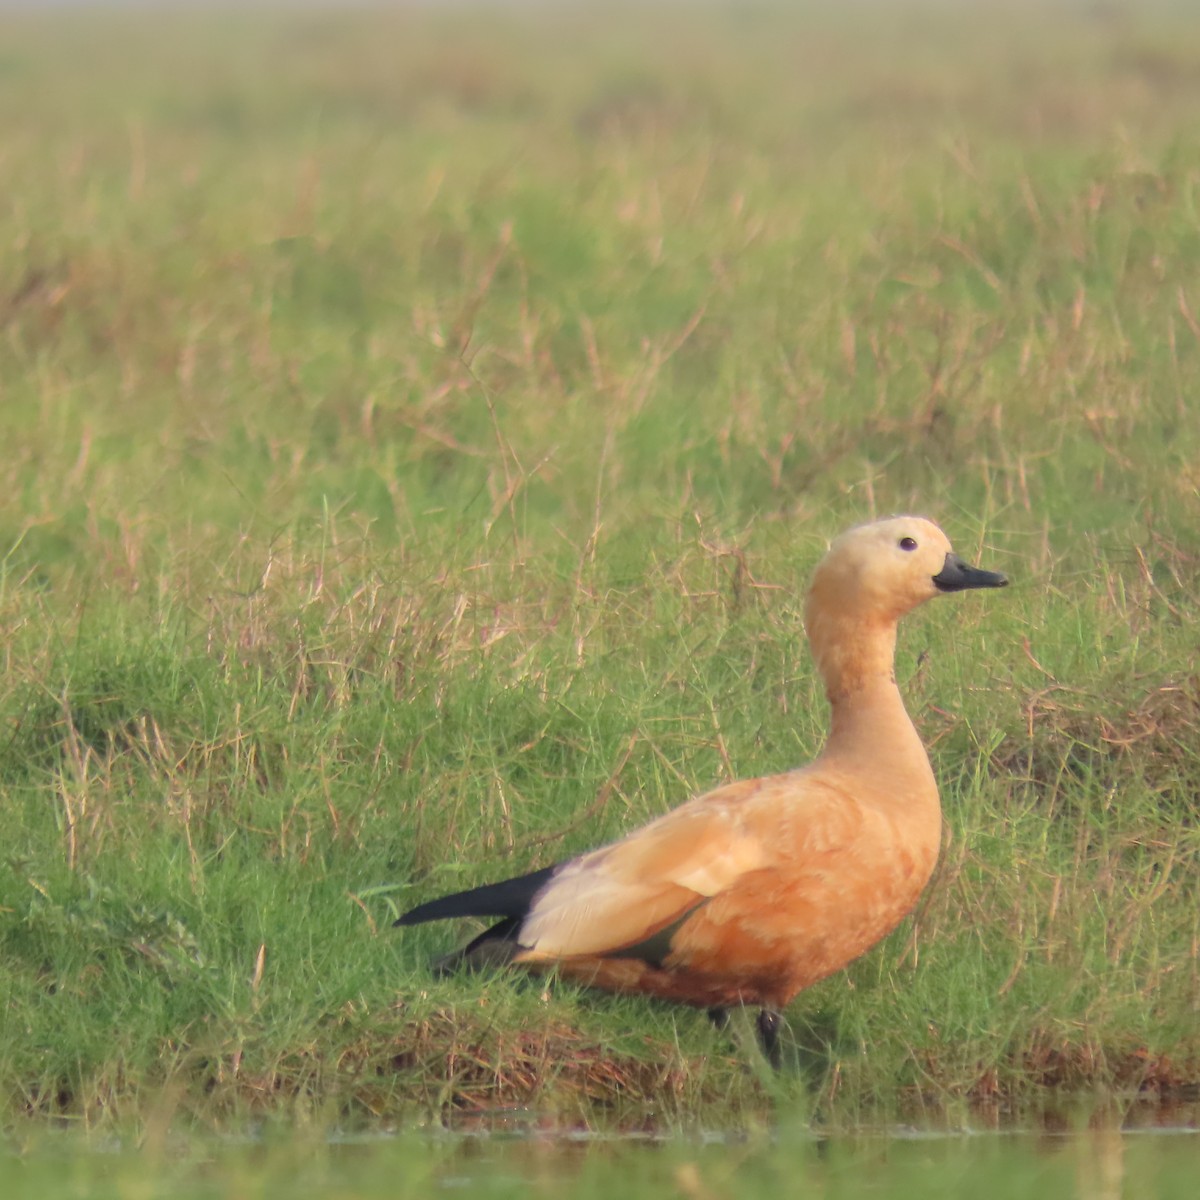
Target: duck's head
[[877, 572]]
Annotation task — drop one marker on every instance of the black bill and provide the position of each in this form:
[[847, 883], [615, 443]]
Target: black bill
[[957, 576]]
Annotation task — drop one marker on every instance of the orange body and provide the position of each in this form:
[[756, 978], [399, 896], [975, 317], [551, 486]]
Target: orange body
[[828, 860], [752, 892]]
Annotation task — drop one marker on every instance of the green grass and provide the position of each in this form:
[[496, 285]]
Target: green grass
[[418, 430]]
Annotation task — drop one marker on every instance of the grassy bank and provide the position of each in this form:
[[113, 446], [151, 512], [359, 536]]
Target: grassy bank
[[418, 431]]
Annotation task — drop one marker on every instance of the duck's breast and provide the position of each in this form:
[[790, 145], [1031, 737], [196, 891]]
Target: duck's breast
[[843, 872]]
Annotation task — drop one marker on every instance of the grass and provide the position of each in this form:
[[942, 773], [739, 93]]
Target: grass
[[418, 431]]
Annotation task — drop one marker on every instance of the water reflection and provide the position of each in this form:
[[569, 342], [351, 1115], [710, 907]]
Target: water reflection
[[1073, 1151], [1101, 1164]]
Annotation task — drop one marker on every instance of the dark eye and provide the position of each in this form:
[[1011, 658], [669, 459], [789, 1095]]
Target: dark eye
[[908, 543]]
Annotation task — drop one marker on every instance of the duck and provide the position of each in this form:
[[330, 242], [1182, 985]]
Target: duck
[[745, 895]]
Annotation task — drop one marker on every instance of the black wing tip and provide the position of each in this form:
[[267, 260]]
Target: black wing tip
[[508, 898], [443, 907]]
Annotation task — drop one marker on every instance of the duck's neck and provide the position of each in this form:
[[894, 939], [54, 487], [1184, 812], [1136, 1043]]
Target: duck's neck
[[870, 729]]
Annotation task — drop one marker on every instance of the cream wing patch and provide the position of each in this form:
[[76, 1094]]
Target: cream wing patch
[[621, 894]]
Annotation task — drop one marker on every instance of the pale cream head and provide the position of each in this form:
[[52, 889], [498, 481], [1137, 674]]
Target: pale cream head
[[871, 576], [881, 570]]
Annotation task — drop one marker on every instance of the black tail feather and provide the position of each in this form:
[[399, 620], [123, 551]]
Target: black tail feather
[[494, 947], [510, 898]]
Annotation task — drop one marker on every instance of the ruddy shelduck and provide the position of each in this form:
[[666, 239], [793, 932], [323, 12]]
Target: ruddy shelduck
[[748, 894]]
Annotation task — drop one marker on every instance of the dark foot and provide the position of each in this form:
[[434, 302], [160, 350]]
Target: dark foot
[[719, 1017], [769, 1024]]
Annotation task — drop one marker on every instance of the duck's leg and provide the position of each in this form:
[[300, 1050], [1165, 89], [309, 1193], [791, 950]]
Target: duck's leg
[[769, 1024], [720, 1018]]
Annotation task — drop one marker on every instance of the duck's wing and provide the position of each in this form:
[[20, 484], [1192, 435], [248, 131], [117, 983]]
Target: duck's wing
[[508, 898], [623, 897]]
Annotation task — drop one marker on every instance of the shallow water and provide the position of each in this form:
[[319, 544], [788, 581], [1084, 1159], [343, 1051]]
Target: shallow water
[[1140, 1152]]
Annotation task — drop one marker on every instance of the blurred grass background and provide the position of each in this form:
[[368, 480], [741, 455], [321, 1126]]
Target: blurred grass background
[[418, 428]]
